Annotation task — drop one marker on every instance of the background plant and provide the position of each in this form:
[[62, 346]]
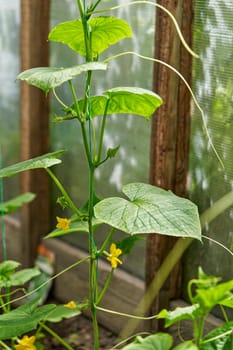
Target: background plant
[[207, 293]]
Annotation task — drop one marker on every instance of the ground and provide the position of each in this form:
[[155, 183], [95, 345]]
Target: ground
[[78, 334]]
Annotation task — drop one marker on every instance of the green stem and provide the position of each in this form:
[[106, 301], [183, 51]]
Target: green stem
[[92, 291], [195, 328], [59, 100], [105, 288], [106, 241], [4, 345], [80, 7], [189, 290], [63, 191], [93, 284], [92, 246], [76, 106], [85, 141], [81, 119], [4, 245], [135, 317], [87, 113], [3, 305], [94, 6], [199, 330], [86, 31], [56, 336], [226, 318], [102, 131], [86, 105]]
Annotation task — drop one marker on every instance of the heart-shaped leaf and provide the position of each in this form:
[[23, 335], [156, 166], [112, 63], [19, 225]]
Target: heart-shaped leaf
[[15, 203], [61, 312], [125, 100], [21, 277], [179, 314], [221, 338], [159, 341], [105, 31], [228, 302], [186, 345], [133, 100], [150, 209], [9, 278], [208, 298], [23, 319], [205, 281], [44, 161], [7, 268], [47, 78]]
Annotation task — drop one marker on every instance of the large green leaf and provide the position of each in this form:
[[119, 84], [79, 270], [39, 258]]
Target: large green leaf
[[208, 298], [61, 312], [15, 203], [125, 100], [179, 314], [150, 209], [47, 78], [7, 268], [159, 341], [186, 345], [21, 277], [23, 319], [9, 278], [105, 31], [44, 161], [205, 281], [228, 302], [220, 338]]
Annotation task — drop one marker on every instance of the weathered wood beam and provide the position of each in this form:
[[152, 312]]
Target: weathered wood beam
[[34, 112], [170, 132]]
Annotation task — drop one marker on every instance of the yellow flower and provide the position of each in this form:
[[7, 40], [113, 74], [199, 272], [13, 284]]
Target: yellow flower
[[71, 305], [63, 223], [113, 256], [26, 343]]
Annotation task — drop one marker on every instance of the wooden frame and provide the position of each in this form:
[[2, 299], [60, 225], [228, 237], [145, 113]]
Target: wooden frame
[[34, 124], [170, 132]]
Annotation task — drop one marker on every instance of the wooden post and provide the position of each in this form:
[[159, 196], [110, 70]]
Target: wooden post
[[34, 112], [170, 133]]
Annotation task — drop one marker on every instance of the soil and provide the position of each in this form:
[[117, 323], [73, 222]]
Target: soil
[[77, 332]]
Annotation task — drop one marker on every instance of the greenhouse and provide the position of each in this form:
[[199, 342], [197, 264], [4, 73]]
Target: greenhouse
[[116, 174]]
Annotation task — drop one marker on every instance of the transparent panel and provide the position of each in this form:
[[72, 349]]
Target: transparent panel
[[9, 89], [213, 86], [132, 133]]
